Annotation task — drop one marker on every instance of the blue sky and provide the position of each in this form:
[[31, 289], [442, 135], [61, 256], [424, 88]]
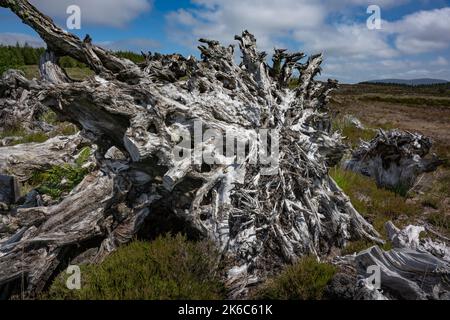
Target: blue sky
[[413, 42]]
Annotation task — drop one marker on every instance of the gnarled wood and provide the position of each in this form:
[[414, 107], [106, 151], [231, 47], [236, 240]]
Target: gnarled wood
[[25, 159], [394, 158], [260, 216]]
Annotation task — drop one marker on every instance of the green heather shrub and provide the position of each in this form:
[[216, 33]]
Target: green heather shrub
[[83, 156], [305, 280], [166, 268]]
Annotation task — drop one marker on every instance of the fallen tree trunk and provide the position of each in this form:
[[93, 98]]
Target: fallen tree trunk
[[25, 159], [413, 269], [264, 207], [19, 108]]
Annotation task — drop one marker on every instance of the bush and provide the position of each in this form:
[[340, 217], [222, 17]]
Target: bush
[[132, 56], [305, 280], [167, 268]]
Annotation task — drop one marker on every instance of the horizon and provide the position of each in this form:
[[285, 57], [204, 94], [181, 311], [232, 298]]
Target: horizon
[[413, 41]]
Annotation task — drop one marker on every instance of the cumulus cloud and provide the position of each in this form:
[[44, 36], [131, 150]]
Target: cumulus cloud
[[381, 3], [275, 23], [423, 31], [115, 13], [323, 26], [356, 71], [353, 41], [269, 20]]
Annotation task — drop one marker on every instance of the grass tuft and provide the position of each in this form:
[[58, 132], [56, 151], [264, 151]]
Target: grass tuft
[[23, 136], [377, 205]]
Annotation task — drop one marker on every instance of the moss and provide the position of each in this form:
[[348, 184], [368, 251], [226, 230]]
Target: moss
[[83, 156], [49, 117], [23, 136], [37, 137], [167, 268], [305, 280], [50, 182], [67, 129], [61, 179]]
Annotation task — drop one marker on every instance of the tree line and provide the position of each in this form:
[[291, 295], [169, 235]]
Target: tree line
[[15, 57]]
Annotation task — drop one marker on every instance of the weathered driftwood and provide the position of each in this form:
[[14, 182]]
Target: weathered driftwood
[[260, 218], [24, 159], [394, 158], [19, 107], [44, 236], [9, 191], [414, 269]]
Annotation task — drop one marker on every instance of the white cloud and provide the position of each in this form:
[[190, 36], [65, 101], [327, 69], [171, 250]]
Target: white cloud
[[269, 20], [115, 13], [440, 61], [381, 3], [402, 68], [277, 22], [351, 41], [11, 39], [423, 31], [352, 50]]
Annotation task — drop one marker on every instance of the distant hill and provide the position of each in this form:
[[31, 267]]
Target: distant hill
[[413, 82]]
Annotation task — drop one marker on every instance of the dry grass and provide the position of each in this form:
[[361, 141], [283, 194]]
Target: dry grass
[[408, 100], [377, 205], [75, 73]]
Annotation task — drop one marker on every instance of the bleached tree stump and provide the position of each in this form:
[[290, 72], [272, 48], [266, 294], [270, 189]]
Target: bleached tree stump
[[260, 222]]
